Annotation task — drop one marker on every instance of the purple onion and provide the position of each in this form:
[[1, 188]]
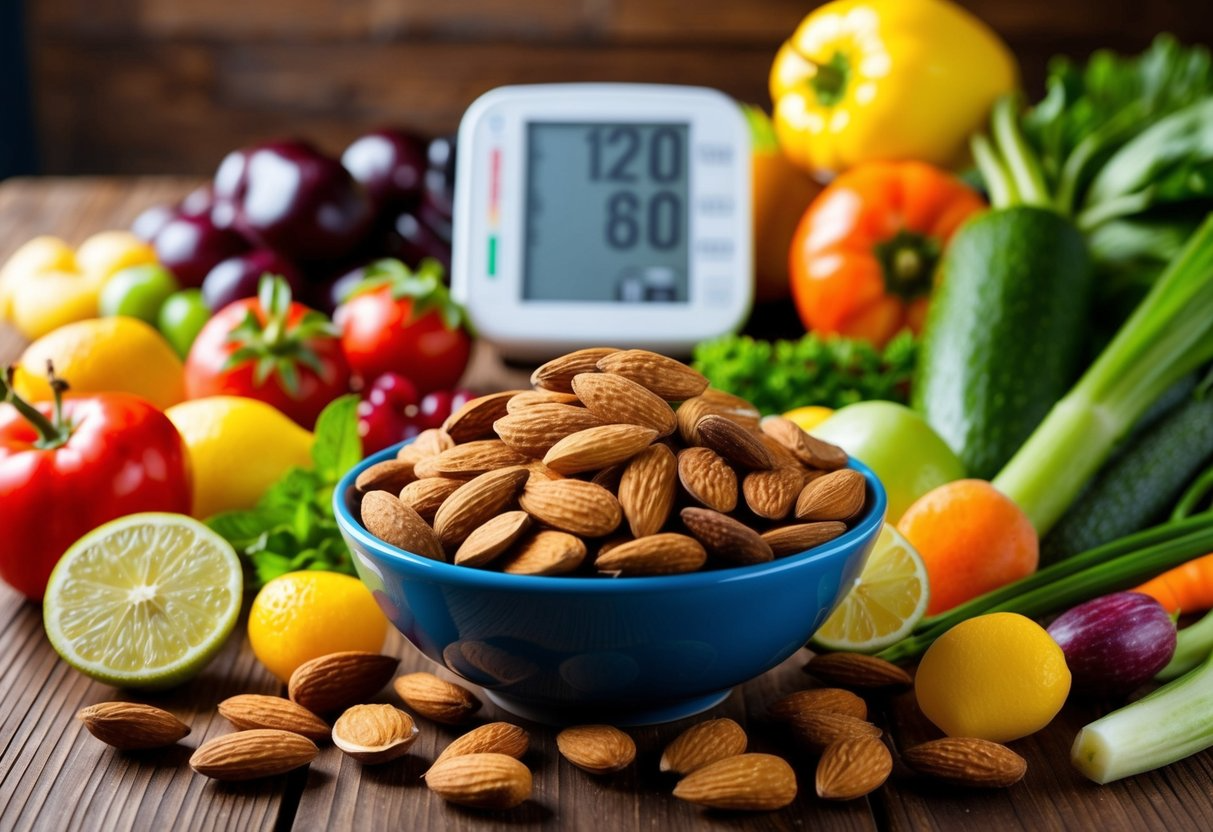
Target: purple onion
[[1115, 643], [238, 277]]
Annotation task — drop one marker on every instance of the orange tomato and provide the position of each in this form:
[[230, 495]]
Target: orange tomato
[[863, 260]]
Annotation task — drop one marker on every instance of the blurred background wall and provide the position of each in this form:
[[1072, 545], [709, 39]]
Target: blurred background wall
[[168, 86]]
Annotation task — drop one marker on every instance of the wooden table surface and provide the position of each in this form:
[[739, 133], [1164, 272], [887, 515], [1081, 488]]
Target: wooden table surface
[[55, 776]]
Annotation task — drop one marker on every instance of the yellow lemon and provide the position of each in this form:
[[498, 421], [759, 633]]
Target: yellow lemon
[[809, 417], [997, 677], [50, 300], [300, 616], [238, 448], [41, 254], [105, 355], [109, 252]]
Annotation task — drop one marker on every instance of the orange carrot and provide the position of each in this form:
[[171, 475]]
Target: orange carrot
[[1186, 588]]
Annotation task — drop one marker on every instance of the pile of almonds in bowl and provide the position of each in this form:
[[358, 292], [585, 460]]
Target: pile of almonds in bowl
[[595, 471]]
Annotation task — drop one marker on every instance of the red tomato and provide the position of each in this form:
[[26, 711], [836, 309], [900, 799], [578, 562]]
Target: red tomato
[[112, 455], [267, 348], [405, 323]]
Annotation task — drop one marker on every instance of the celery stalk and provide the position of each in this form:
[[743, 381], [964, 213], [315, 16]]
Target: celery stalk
[[1193, 645], [1168, 336], [1173, 722]]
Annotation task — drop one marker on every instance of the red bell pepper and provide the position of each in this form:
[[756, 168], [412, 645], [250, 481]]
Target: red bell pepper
[[68, 467]]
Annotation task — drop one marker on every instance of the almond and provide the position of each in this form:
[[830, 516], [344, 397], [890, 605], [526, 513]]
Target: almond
[[335, 681], [436, 699], [967, 761], [609, 478], [389, 475], [250, 710], [475, 419], [476, 502], [557, 375], [483, 781], [671, 380], [855, 670], [818, 729], [374, 734], [537, 471], [598, 749], [545, 552], [530, 398], [714, 403], [469, 460], [746, 782], [594, 448], [647, 489], [658, 554], [430, 442], [129, 726], [393, 522], [810, 450], [702, 744], [733, 442], [248, 755], [853, 767], [573, 506], [493, 738], [800, 537], [771, 494], [727, 539], [839, 495], [618, 400], [426, 496], [708, 478], [488, 541], [832, 700], [535, 430], [782, 456]]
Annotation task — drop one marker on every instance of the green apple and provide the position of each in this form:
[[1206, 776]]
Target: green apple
[[896, 443], [137, 292]]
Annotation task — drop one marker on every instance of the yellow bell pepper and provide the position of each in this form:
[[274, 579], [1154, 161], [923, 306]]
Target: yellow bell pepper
[[45, 285], [864, 80]]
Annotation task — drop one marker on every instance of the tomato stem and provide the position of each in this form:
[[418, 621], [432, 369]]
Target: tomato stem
[[53, 434]]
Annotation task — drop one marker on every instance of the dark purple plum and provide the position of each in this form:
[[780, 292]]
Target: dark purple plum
[[1115, 643], [238, 277], [190, 247], [149, 222], [440, 175], [390, 165], [411, 240], [433, 219], [227, 187], [197, 202], [288, 196]]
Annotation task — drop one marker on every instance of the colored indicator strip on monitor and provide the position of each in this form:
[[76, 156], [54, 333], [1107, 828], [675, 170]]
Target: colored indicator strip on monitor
[[494, 207]]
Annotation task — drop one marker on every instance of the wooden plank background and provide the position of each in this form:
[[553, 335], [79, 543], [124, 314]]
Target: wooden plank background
[[169, 86]]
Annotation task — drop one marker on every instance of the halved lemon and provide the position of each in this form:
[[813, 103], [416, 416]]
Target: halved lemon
[[144, 601], [886, 601]]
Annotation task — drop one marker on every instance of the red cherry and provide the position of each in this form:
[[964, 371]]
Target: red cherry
[[379, 425], [395, 390]]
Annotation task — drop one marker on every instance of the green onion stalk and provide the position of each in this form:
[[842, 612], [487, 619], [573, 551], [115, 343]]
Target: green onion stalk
[[1168, 336]]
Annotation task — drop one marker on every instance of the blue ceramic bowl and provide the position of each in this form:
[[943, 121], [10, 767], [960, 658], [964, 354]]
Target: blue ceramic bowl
[[629, 651]]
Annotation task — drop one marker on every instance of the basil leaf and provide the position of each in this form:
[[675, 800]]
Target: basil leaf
[[338, 447]]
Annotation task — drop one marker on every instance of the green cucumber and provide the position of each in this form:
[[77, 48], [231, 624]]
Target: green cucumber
[[1137, 486], [1006, 334]]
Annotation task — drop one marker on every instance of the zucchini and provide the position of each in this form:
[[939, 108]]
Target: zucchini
[[1139, 485], [1006, 333]]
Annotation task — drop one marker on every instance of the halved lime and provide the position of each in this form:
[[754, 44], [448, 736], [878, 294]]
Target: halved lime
[[144, 601], [885, 602]]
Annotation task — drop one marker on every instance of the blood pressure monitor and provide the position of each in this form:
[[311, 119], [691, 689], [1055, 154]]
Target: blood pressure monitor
[[602, 214]]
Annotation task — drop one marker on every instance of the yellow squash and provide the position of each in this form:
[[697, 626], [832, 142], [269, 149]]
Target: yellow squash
[[864, 80]]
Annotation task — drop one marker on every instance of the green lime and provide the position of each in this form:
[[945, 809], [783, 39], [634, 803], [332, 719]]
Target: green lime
[[144, 601], [137, 292], [182, 317]]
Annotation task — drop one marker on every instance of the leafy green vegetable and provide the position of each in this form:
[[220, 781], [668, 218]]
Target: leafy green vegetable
[[292, 527], [780, 375]]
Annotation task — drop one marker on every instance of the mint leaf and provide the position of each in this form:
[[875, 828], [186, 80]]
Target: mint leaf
[[338, 447], [240, 526]]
